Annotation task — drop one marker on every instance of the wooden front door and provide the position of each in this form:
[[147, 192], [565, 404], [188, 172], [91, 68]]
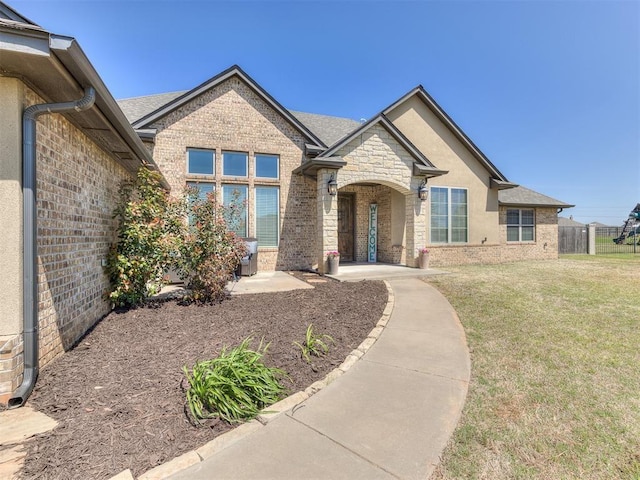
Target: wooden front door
[[345, 227]]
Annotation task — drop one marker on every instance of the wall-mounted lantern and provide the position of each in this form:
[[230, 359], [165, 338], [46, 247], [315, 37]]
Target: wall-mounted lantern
[[423, 191], [333, 185]]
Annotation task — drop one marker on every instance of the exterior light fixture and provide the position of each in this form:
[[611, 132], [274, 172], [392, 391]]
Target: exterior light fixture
[[333, 186], [423, 191]]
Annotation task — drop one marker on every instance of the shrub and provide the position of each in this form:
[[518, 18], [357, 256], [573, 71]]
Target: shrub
[[313, 344], [235, 386], [208, 253], [146, 234]]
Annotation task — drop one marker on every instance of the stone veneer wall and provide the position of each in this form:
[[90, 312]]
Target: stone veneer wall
[[232, 117], [364, 196]]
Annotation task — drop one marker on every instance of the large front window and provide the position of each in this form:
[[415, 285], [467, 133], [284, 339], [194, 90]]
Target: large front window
[[234, 197], [247, 183], [267, 215], [521, 225], [449, 215]]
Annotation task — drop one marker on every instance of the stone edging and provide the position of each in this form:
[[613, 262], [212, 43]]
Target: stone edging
[[225, 440]]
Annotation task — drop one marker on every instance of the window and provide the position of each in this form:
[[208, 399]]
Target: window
[[520, 225], [235, 197], [203, 188], [267, 215], [201, 162], [266, 166], [449, 215], [234, 164]]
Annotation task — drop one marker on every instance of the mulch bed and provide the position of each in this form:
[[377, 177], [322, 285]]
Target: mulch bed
[[119, 394]]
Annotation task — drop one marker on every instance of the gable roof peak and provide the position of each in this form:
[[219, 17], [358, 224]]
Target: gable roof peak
[[218, 79], [432, 105]]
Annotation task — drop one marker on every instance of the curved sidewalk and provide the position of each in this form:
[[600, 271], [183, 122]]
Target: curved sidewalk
[[388, 417]]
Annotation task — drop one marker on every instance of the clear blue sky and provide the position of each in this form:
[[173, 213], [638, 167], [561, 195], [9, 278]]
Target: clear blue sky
[[549, 91]]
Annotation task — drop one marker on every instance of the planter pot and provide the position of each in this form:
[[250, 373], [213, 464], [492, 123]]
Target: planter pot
[[423, 261], [333, 265]]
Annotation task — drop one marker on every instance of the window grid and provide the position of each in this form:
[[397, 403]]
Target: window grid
[[201, 161], [449, 215], [520, 225]]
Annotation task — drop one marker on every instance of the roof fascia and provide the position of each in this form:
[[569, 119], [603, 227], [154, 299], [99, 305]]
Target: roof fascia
[[13, 15], [235, 70], [535, 205], [451, 125], [391, 128], [70, 54]]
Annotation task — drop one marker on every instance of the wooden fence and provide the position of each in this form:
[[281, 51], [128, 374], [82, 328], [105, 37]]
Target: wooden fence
[[573, 239]]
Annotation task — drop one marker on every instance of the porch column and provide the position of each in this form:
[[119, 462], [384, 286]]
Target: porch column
[[327, 219], [416, 226]]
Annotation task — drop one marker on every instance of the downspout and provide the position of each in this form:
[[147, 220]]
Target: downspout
[[29, 235]]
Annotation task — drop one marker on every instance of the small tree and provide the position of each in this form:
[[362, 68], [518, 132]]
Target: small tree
[[147, 233], [208, 252]]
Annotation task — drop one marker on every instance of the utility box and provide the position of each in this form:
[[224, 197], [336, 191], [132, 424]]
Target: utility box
[[249, 263]]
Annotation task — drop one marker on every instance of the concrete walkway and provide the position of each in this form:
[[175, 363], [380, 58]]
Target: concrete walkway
[[388, 417]]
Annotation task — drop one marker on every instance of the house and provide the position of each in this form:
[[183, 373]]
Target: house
[[59, 179], [410, 168], [406, 179]]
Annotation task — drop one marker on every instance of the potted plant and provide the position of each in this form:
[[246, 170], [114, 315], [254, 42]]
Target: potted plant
[[423, 259], [333, 258]]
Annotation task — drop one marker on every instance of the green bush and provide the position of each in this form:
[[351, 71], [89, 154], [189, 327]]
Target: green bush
[[208, 252], [234, 386], [147, 231], [313, 344]]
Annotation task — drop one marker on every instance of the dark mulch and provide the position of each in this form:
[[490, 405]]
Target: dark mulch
[[119, 394]]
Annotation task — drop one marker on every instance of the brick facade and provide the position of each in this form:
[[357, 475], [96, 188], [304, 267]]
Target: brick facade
[[232, 117], [77, 194]]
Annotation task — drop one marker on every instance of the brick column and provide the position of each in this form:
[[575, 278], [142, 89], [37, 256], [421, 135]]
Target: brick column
[[327, 219], [416, 225]]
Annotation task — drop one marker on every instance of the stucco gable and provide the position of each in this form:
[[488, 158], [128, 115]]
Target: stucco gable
[[419, 94]]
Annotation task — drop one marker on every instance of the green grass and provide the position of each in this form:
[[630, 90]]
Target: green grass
[[555, 388]]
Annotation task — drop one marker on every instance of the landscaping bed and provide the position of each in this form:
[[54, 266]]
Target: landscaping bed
[[119, 394]]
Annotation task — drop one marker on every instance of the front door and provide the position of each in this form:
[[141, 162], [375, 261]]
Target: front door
[[345, 227]]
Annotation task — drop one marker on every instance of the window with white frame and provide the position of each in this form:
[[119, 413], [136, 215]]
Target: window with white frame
[[234, 197], [449, 215], [267, 211], [521, 225], [267, 166], [234, 164], [203, 188], [200, 161]]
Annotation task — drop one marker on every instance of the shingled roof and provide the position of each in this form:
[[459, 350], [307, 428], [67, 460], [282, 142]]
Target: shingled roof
[[522, 196], [328, 128], [137, 107]]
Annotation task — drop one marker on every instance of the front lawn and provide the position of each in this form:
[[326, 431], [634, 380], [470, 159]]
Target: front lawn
[[555, 388]]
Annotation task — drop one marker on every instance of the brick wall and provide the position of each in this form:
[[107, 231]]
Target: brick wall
[[545, 246], [77, 193], [232, 117]]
